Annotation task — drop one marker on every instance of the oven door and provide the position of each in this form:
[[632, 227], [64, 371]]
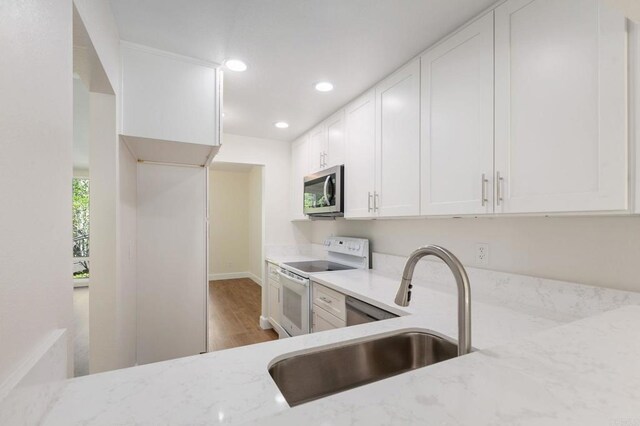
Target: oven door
[[295, 304], [323, 192]]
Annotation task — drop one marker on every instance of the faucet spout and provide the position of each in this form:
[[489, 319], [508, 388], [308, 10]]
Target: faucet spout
[[403, 297]]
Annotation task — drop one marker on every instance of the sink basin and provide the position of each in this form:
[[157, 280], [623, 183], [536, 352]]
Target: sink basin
[[303, 378]]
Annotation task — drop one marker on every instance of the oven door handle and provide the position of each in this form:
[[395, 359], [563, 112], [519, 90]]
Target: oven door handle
[[302, 282]]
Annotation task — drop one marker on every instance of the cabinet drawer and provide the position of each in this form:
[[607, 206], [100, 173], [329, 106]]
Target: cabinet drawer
[[330, 300], [323, 320], [272, 270]]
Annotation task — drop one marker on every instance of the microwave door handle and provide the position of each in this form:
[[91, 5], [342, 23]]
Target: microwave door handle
[[326, 189]]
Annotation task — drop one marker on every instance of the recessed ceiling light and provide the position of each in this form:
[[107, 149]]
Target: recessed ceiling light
[[281, 124], [235, 65], [324, 86]]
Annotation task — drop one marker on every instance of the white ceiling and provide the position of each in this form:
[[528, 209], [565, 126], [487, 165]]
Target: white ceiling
[[289, 45]]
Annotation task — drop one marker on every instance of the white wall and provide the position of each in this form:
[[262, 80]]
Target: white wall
[[276, 158], [103, 157], [80, 125], [228, 223], [601, 251], [36, 106], [113, 222], [103, 31], [235, 222], [127, 259], [255, 223]]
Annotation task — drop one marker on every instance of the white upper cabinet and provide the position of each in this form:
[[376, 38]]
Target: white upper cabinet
[[334, 154], [326, 143], [359, 162], [457, 123], [398, 143], [560, 118], [317, 148], [168, 97], [299, 169]]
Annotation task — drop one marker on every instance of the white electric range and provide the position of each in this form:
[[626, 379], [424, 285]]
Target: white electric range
[[342, 253]]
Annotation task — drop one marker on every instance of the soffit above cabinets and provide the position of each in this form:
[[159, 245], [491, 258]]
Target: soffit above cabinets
[[289, 45]]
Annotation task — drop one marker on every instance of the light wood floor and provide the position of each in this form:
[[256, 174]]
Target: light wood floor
[[234, 314]]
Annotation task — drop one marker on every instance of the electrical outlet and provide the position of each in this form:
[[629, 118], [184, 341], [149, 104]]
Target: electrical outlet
[[482, 254]]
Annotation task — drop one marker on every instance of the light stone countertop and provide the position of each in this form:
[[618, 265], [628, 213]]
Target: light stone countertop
[[528, 371]]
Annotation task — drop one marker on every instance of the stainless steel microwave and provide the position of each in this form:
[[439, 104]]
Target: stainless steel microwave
[[324, 193]]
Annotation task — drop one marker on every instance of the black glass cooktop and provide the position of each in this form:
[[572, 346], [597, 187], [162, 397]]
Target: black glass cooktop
[[318, 266]]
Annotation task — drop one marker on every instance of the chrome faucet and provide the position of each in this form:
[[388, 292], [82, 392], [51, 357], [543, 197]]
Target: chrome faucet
[[403, 297]]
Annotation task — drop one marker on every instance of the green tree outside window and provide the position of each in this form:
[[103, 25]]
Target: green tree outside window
[[80, 220]]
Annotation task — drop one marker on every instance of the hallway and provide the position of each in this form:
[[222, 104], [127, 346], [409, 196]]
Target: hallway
[[234, 314], [81, 336]]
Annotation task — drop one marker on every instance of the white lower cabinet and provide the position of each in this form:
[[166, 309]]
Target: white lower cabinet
[[322, 320], [275, 296], [328, 308]]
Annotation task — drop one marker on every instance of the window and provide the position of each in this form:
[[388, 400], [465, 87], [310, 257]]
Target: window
[[80, 194]]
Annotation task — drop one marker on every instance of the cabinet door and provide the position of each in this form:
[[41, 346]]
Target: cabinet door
[[334, 155], [299, 168], [457, 123], [317, 148], [172, 262], [275, 302], [561, 142], [322, 321], [359, 163], [398, 143], [166, 97]]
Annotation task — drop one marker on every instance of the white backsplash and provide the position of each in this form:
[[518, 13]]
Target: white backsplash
[[311, 250], [521, 292], [561, 299]]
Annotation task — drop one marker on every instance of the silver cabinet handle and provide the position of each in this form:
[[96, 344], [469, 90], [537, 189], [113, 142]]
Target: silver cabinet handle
[[499, 181], [324, 299], [484, 190], [278, 295], [375, 201], [369, 201]]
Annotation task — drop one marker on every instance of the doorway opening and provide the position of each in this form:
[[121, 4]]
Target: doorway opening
[[236, 258], [94, 116]]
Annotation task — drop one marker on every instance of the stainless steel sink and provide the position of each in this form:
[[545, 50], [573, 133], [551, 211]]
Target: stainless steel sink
[[303, 378]]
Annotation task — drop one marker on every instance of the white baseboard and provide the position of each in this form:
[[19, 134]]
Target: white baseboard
[[255, 278], [81, 282], [26, 394], [235, 275], [265, 324]]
